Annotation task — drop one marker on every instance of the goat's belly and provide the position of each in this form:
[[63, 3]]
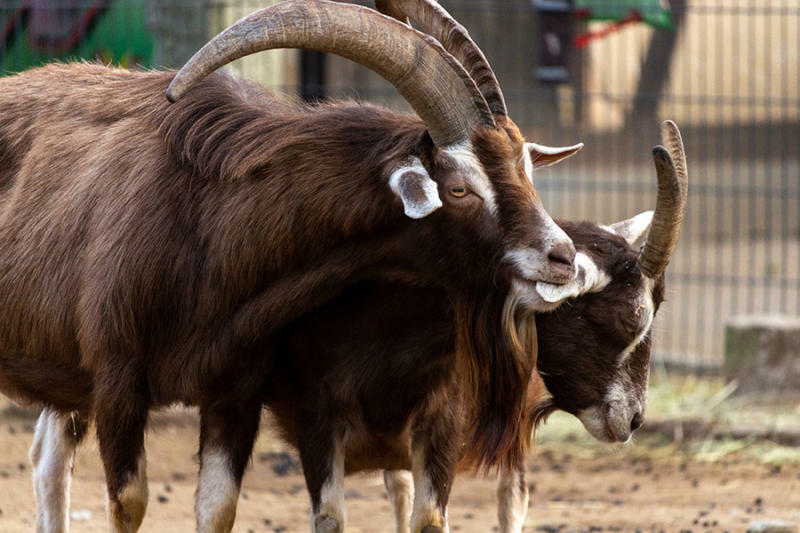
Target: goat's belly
[[365, 451], [45, 381]]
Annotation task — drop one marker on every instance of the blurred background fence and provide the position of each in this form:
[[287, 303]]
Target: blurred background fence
[[727, 71]]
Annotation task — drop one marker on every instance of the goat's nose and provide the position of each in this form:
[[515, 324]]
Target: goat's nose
[[563, 253], [637, 421]]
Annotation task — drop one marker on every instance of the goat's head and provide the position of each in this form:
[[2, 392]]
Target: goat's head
[[594, 350], [469, 177]]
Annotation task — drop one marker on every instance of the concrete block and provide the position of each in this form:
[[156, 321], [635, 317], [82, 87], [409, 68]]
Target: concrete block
[[762, 352]]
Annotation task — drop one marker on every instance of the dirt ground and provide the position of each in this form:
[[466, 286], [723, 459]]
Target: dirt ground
[[578, 485]]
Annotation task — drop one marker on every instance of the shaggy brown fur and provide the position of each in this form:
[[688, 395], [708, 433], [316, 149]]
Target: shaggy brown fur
[[154, 249], [379, 359]]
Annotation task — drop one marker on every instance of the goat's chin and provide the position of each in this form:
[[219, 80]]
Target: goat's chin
[[611, 427], [527, 295]]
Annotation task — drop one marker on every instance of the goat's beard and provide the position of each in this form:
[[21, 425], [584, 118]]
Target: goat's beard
[[496, 345]]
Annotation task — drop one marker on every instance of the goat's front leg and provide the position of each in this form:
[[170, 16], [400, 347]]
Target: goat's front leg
[[52, 454], [434, 456], [321, 449], [121, 410], [227, 434], [400, 488], [512, 499]]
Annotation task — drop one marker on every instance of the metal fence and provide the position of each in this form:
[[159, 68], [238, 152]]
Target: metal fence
[[728, 73]]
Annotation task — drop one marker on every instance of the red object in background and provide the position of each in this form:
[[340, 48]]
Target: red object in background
[[582, 40]]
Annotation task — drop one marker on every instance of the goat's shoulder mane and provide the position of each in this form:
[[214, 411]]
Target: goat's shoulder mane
[[230, 129]]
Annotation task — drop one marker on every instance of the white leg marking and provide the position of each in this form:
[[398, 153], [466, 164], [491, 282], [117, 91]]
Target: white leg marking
[[331, 499], [426, 508], [512, 501], [400, 487], [217, 493], [126, 515], [51, 455]]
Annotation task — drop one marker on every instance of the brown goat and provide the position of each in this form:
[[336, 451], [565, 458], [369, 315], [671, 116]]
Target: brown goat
[[149, 252], [367, 376]]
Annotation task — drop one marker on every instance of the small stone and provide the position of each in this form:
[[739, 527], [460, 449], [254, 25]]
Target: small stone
[[178, 476], [167, 488], [771, 526], [469, 516], [162, 499], [759, 501], [267, 522]]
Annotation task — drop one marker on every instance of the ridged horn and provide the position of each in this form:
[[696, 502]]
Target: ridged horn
[[670, 202], [432, 81], [434, 20]]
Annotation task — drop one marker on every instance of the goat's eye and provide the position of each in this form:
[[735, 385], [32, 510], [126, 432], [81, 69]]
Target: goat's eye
[[458, 191]]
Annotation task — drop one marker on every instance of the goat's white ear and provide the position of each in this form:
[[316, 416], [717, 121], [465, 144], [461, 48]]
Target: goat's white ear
[[414, 186], [543, 156], [588, 278], [634, 228]]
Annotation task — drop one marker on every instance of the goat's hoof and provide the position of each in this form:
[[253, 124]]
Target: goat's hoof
[[432, 529], [327, 524]]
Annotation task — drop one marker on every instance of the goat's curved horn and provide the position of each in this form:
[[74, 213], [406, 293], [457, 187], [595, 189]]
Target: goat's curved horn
[[432, 81], [434, 20], [670, 202]]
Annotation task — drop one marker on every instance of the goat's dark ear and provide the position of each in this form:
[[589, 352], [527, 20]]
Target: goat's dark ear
[[633, 229], [414, 186], [544, 156]]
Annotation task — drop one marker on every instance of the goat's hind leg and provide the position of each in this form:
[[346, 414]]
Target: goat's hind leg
[[227, 434], [512, 499], [51, 455], [400, 488]]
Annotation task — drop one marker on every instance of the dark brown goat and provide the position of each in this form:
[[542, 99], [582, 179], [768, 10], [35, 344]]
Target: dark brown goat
[[370, 379], [371, 372], [148, 251]]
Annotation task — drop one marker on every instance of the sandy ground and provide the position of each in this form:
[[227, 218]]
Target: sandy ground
[[578, 486]]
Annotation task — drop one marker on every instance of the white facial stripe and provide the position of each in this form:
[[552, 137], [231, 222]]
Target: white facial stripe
[[217, 492], [416, 207], [646, 306], [512, 499], [51, 456], [477, 180]]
